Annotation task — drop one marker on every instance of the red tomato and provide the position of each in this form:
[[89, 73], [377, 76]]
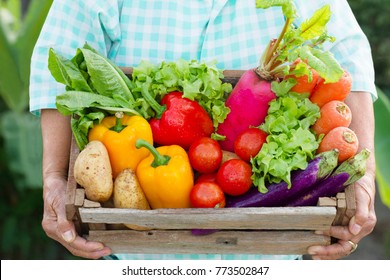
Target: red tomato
[[249, 143], [205, 155], [207, 177], [207, 195], [234, 177]]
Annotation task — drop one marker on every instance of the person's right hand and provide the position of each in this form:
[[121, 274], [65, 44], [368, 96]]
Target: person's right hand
[[57, 227]]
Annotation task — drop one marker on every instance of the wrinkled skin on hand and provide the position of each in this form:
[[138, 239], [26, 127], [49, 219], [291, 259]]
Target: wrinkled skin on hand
[[364, 221], [361, 225], [56, 136], [57, 227]]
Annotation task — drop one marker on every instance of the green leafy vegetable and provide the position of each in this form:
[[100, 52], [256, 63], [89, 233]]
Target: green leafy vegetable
[[66, 72], [199, 81], [95, 87], [290, 143], [302, 41], [288, 6]]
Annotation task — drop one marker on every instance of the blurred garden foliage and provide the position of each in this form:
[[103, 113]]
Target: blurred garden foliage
[[374, 18], [21, 204]]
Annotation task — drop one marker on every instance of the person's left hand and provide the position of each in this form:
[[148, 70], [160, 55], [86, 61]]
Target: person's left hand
[[361, 225]]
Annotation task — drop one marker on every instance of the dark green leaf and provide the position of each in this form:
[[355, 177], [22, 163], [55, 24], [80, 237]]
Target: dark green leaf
[[323, 62], [66, 72], [104, 76], [73, 101]]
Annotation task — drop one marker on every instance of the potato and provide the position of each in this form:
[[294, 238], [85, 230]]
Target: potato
[[129, 194], [92, 171]]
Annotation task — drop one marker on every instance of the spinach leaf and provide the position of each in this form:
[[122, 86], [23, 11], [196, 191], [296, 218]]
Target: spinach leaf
[[104, 77], [66, 72]]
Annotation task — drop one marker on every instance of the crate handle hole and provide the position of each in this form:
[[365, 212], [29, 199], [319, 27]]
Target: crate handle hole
[[150, 233]]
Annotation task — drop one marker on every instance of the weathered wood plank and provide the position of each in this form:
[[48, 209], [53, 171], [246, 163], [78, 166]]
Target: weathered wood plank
[[341, 208], [279, 218], [351, 204], [223, 242], [80, 197], [70, 204]]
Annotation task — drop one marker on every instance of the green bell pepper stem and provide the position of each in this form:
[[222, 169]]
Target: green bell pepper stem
[[159, 159], [118, 125]]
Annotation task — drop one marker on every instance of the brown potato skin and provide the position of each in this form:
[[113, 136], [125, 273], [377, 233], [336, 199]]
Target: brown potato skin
[[92, 171], [129, 194]]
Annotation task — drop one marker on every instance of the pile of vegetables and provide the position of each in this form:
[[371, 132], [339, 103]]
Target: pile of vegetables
[[174, 135]]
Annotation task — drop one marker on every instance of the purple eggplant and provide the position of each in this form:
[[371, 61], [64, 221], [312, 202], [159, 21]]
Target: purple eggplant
[[345, 174], [278, 194], [301, 180]]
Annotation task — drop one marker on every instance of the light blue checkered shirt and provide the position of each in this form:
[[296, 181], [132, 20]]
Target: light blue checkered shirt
[[230, 31]]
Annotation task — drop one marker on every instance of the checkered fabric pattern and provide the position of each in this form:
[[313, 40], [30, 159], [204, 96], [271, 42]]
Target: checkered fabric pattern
[[232, 32]]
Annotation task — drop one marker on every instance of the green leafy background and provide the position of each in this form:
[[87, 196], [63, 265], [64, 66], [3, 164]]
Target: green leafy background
[[20, 140]]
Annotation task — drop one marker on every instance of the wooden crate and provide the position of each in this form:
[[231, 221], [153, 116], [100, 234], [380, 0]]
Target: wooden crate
[[264, 230]]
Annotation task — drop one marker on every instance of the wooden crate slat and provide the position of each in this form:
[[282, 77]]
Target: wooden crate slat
[[70, 204], [351, 204], [308, 218], [223, 242], [341, 209]]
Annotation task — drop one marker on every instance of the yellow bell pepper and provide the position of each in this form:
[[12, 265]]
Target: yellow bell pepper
[[165, 176], [118, 134]]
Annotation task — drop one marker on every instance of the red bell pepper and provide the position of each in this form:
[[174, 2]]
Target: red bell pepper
[[182, 122]]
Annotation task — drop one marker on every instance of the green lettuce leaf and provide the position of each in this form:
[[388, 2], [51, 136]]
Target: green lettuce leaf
[[290, 143], [288, 6], [199, 81], [316, 25]]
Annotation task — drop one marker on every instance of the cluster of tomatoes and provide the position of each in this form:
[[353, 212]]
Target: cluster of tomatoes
[[218, 177]]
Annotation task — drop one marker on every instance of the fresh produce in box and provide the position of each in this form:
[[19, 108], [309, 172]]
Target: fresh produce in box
[[283, 105], [248, 102], [284, 115], [234, 177], [165, 176], [305, 81], [182, 122], [207, 195], [95, 88], [206, 177], [128, 193], [338, 90], [333, 114], [205, 155], [118, 134], [198, 81], [92, 171], [345, 174], [343, 139], [301, 182], [249, 142]]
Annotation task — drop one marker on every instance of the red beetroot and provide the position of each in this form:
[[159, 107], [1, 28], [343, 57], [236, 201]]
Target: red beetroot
[[248, 104]]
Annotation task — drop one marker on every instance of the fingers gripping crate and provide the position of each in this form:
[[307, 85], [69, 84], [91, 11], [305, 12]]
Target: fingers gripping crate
[[263, 230]]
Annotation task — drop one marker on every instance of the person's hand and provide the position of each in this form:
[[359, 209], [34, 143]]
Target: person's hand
[[359, 226], [57, 227]]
